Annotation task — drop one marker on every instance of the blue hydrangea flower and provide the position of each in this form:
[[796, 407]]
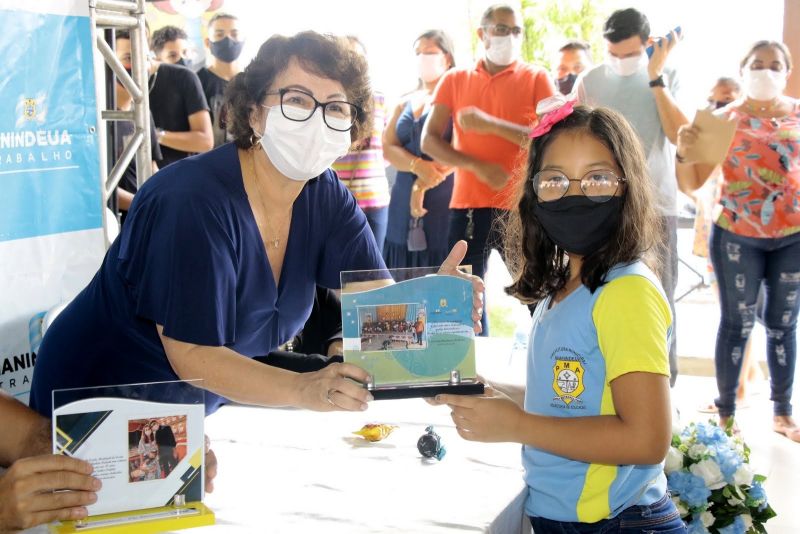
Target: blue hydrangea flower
[[691, 488], [737, 527], [696, 526], [757, 494], [710, 435], [728, 460]]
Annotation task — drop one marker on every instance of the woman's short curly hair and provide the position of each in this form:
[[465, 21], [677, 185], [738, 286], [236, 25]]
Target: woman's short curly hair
[[325, 55]]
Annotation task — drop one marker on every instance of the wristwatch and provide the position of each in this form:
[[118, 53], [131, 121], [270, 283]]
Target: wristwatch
[[658, 82]]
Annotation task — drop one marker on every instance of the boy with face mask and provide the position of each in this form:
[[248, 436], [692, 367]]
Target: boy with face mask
[[573, 58], [493, 105], [643, 90], [725, 91], [225, 42]]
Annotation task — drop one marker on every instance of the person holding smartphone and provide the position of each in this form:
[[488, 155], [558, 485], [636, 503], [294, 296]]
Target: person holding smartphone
[[643, 89]]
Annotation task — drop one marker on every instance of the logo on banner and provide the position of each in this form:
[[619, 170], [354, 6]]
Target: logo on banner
[[31, 109], [30, 146]]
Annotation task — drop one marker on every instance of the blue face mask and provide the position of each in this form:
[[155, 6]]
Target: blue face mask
[[226, 49], [577, 224]]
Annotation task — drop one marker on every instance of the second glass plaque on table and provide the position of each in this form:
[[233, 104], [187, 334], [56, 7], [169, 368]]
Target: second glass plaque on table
[[411, 330]]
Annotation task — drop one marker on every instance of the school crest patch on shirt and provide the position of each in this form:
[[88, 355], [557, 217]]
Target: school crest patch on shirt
[[568, 380]]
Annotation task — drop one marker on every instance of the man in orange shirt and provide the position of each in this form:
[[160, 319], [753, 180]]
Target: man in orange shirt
[[494, 105]]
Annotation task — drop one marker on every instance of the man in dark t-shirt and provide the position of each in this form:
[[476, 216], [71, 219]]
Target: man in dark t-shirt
[[180, 110], [224, 42]]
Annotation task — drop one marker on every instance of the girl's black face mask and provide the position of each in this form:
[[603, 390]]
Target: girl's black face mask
[[577, 224]]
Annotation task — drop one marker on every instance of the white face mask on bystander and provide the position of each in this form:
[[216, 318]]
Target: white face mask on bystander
[[626, 66], [764, 84], [431, 66], [503, 50]]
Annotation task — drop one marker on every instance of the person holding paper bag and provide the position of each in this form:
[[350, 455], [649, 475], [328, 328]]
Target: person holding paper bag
[[221, 254], [756, 236]]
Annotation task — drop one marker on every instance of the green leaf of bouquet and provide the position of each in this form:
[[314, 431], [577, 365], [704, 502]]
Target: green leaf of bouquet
[[764, 515], [759, 479], [718, 497], [723, 522]]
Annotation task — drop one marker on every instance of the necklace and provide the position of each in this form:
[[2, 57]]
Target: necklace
[[276, 240], [763, 109]]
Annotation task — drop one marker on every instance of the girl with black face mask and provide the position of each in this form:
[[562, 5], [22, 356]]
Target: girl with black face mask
[[594, 417]]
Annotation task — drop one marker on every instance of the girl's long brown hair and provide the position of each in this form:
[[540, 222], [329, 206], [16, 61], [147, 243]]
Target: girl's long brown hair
[[538, 267]]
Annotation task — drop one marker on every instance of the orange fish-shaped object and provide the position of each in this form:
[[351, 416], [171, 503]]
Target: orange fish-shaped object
[[375, 432]]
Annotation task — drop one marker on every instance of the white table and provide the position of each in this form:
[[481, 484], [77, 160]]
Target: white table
[[293, 471], [285, 470]]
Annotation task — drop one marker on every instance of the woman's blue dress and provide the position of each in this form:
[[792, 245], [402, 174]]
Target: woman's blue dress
[[437, 202]]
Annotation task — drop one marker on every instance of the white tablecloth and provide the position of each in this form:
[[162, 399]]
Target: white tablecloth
[[293, 471], [285, 470]]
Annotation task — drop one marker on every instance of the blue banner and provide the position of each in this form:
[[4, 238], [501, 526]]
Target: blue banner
[[49, 154]]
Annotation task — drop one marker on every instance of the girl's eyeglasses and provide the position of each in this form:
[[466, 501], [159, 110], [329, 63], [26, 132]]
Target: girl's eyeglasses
[[597, 186]]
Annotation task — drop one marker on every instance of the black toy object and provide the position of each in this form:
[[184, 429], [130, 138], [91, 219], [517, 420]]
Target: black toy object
[[430, 445]]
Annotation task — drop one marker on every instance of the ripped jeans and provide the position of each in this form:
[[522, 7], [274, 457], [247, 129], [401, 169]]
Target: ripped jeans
[[741, 265]]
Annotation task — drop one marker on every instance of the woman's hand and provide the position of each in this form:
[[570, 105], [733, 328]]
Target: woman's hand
[[417, 201], [687, 143], [493, 417], [331, 389], [429, 173], [450, 267]]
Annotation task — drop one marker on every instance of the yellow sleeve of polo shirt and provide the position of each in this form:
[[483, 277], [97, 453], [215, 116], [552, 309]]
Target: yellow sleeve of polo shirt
[[633, 320]]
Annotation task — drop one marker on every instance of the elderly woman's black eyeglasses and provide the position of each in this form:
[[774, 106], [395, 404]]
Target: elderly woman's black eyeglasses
[[299, 106]]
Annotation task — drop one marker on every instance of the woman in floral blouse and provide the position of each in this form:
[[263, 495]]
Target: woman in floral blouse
[[756, 232]]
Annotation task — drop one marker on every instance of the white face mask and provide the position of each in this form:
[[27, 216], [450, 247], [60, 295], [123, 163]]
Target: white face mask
[[431, 66], [764, 84], [627, 66], [504, 50], [303, 150]]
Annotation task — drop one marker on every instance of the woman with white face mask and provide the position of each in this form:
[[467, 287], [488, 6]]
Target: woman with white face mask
[[756, 236], [221, 252], [419, 208]]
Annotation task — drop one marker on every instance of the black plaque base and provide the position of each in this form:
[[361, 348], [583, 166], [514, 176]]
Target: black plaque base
[[426, 390]]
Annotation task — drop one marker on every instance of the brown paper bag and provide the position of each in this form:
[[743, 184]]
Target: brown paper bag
[[714, 139]]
